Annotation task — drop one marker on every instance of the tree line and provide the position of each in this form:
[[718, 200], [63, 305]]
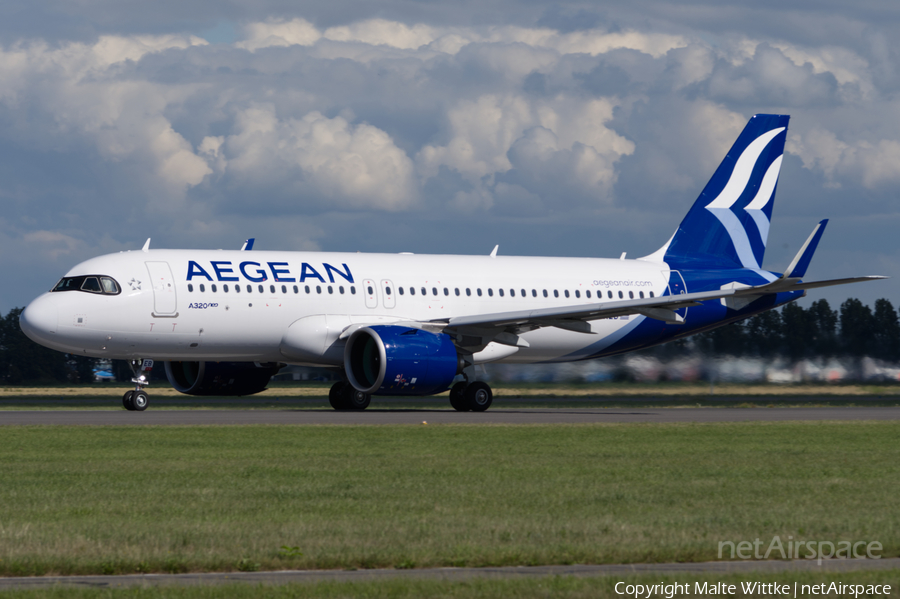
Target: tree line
[[854, 330]]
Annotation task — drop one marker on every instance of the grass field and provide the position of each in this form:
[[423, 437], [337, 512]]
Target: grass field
[[561, 587], [175, 499]]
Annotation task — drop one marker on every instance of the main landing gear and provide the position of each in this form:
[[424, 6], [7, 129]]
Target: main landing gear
[[476, 396], [138, 400], [344, 396]]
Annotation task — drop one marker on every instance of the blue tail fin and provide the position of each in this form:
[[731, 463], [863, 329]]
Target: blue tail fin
[[728, 225]]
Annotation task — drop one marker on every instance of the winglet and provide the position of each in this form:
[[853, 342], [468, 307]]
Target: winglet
[[146, 247], [800, 263], [494, 252], [248, 245]]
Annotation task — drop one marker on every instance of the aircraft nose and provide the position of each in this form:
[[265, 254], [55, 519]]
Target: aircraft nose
[[39, 320]]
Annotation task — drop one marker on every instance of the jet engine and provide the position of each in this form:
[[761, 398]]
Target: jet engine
[[398, 360], [220, 378]]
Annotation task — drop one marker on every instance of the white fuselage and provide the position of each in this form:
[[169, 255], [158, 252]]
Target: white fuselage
[[240, 306]]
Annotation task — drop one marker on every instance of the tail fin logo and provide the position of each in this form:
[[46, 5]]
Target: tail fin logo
[[721, 206]]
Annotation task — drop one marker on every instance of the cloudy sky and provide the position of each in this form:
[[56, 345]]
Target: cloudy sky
[[564, 128]]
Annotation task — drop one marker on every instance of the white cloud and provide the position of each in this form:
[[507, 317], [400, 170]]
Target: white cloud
[[51, 245], [873, 164], [78, 86], [382, 32], [279, 32], [356, 166], [379, 32]]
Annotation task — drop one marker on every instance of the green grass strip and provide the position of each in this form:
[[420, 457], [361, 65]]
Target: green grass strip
[[110, 500]]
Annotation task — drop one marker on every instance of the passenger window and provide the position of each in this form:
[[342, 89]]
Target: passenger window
[[577, 293], [369, 289], [424, 291], [587, 294], [272, 289], [262, 289], [468, 292], [651, 294], [284, 289], [225, 288], [545, 293], [213, 288], [296, 290], [620, 295], [341, 290], [642, 295], [306, 289], [523, 293], [202, 287], [237, 288], [412, 290], [499, 291], [400, 289], [555, 293], [446, 291], [512, 293], [631, 294], [490, 292], [434, 291], [478, 291], [190, 288], [352, 290], [387, 290], [609, 294], [319, 289], [330, 290], [566, 292], [92, 285], [457, 291], [249, 289]]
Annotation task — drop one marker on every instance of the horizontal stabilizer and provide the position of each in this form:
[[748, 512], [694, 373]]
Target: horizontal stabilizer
[[793, 284]]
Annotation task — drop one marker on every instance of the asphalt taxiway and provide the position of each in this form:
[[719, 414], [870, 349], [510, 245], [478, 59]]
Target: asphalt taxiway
[[450, 574], [441, 416]]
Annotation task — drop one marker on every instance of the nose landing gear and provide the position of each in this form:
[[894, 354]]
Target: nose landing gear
[[138, 400]]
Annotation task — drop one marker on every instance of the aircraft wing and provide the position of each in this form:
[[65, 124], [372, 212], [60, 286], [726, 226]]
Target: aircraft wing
[[504, 327]]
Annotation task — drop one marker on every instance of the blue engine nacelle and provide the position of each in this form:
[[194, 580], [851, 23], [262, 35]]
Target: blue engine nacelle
[[220, 378], [396, 360]]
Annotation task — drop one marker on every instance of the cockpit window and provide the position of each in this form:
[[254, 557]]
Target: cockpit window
[[90, 284], [109, 285], [69, 284]]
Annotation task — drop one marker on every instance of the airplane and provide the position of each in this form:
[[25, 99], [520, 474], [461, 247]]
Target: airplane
[[224, 322]]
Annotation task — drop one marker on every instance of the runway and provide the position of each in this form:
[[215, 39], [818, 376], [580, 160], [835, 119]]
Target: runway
[[440, 416]]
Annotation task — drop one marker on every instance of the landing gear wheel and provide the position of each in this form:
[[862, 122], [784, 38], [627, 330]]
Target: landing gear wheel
[[478, 396], [354, 399], [337, 396], [458, 397], [139, 401]]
